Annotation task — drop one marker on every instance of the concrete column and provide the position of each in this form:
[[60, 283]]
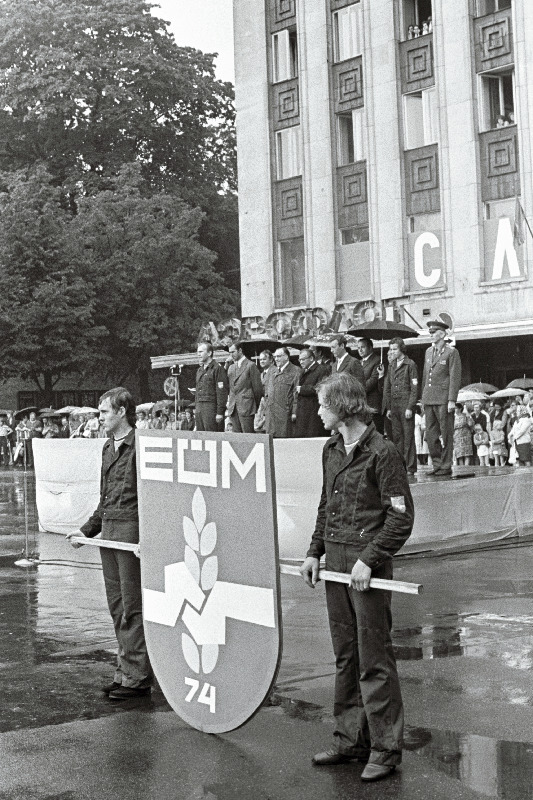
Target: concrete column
[[253, 158], [316, 127]]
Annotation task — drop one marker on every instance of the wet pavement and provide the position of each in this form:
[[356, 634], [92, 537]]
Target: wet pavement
[[465, 654]]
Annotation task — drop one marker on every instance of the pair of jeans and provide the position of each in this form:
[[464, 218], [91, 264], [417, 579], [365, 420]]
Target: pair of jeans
[[368, 706]]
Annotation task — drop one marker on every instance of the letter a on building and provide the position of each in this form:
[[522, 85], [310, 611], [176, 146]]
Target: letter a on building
[[210, 574]]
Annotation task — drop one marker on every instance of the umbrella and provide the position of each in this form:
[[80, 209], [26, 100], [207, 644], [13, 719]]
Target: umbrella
[[146, 407], [67, 410], [325, 339], [509, 392], [87, 410], [252, 347], [24, 411], [466, 396], [484, 388], [162, 405], [384, 329], [298, 342], [47, 412], [521, 383]]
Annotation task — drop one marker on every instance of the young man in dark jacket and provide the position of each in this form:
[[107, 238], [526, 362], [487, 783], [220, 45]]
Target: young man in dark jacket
[[117, 519], [365, 515]]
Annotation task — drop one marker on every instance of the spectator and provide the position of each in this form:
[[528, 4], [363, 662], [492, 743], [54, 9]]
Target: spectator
[[64, 428], [497, 443], [462, 435], [481, 443], [50, 430], [281, 395], [142, 421], [164, 422], [36, 432], [422, 450], [81, 427], [5, 447], [308, 424], [520, 436], [92, 426], [189, 420]]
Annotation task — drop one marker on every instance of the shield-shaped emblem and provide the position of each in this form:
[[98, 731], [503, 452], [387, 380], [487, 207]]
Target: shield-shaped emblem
[[210, 574]]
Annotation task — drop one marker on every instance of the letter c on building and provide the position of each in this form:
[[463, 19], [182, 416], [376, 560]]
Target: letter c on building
[[427, 281]]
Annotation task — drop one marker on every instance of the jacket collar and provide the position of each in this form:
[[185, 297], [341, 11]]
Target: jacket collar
[[336, 441]]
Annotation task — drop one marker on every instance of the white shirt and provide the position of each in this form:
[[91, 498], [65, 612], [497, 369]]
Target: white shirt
[[340, 360]]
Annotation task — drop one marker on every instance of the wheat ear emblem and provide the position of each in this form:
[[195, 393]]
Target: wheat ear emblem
[[201, 539]]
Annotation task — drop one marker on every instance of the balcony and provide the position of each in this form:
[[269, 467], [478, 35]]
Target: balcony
[[416, 63], [493, 38]]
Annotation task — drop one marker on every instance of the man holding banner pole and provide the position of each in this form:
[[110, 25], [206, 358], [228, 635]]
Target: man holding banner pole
[[364, 517], [117, 519]]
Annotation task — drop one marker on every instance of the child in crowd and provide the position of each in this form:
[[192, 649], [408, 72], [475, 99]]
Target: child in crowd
[[481, 441], [497, 443]]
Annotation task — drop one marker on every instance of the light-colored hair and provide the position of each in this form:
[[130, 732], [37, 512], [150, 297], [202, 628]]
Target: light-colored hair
[[346, 395]]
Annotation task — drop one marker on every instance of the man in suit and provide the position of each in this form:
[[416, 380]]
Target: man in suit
[[281, 395], [344, 362], [308, 423], [399, 401], [374, 394], [245, 390], [440, 387], [211, 391]]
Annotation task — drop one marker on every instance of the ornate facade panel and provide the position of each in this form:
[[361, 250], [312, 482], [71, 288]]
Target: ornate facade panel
[[422, 180], [285, 104], [348, 83], [416, 63], [352, 198], [494, 41], [500, 176]]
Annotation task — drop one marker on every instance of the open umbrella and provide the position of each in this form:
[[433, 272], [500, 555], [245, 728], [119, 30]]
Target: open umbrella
[[67, 410], [25, 411], [146, 407], [47, 412], [253, 347], [325, 340], [485, 388], [466, 396], [161, 405], [384, 329], [508, 392], [87, 410], [298, 342], [521, 383]]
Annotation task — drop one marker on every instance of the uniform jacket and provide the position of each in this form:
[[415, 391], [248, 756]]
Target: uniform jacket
[[280, 400], [352, 366], [401, 386], [212, 386], [245, 388], [118, 489], [366, 501], [308, 423], [442, 376], [373, 392]]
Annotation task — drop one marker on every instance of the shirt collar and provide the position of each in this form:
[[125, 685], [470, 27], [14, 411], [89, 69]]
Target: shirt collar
[[340, 360]]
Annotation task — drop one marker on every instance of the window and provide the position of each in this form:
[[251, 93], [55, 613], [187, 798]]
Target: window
[[420, 118], [351, 144], [497, 101], [417, 18], [347, 40], [288, 153], [355, 235], [490, 6], [292, 273], [500, 208], [284, 55]]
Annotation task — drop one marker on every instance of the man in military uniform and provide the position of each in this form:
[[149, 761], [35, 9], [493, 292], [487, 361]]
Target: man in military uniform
[[211, 391], [399, 400], [440, 387]]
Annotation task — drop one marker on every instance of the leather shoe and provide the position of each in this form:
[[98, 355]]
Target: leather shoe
[[111, 687], [127, 693], [376, 772], [432, 472], [443, 472], [329, 758]]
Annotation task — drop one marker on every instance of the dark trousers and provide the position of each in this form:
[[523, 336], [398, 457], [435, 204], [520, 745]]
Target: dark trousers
[[4, 450], [403, 436], [205, 414], [368, 705], [122, 578], [242, 424], [379, 422], [439, 423]]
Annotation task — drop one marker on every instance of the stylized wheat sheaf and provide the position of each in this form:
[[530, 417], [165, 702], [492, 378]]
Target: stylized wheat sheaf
[[201, 539]]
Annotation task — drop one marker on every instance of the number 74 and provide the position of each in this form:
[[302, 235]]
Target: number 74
[[207, 694]]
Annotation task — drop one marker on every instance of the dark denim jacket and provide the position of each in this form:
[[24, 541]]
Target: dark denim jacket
[[118, 492], [366, 501]]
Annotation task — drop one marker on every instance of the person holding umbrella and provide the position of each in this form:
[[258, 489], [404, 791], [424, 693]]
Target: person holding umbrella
[[440, 387]]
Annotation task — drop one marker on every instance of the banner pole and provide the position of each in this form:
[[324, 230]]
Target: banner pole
[[286, 569]]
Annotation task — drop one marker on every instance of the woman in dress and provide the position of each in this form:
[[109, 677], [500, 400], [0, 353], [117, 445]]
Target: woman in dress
[[462, 435]]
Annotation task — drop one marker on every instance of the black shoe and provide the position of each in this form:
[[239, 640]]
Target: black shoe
[[111, 687], [376, 772], [432, 472], [330, 758], [127, 693], [443, 472]]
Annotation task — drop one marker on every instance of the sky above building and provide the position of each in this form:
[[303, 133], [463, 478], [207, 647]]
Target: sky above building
[[204, 24]]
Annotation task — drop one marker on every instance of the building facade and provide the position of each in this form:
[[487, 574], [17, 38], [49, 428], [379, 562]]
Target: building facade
[[385, 169]]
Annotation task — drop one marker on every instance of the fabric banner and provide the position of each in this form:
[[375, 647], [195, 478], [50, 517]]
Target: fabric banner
[[449, 515]]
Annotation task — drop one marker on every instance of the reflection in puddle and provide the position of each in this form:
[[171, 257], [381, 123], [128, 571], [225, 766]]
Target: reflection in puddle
[[492, 767]]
